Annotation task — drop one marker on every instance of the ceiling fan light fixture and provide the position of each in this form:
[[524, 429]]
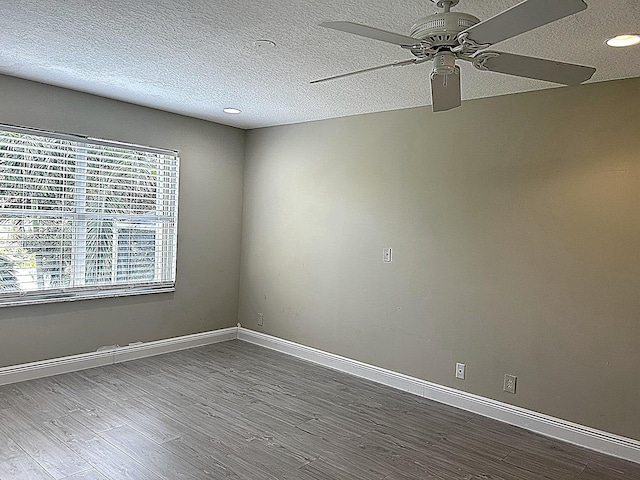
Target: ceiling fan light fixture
[[231, 111], [626, 40]]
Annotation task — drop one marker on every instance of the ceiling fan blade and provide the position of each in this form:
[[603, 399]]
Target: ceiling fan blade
[[531, 67], [521, 18], [412, 61], [445, 91], [370, 32]]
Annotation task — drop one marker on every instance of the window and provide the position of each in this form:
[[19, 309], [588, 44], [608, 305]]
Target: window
[[83, 218]]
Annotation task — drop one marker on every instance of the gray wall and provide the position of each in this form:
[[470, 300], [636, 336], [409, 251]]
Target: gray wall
[[210, 210], [515, 224]]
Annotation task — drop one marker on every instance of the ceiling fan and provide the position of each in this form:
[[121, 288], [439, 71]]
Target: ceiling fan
[[449, 36]]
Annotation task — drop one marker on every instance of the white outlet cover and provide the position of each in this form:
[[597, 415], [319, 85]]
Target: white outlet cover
[[460, 370], [510, 383]]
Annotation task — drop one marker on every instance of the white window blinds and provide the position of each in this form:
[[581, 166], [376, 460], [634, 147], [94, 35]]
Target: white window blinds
[[82, 218]]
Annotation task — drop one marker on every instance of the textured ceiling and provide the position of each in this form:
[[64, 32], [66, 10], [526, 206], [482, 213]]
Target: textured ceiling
[[196, 57]]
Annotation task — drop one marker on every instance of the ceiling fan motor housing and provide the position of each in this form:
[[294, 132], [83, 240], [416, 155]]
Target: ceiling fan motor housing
[[442, 29]]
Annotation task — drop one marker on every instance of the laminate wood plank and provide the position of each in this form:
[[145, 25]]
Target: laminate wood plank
[[386, 455], [611, 464], [152, 423], [110, 461], [247, 469], [199, 425], [416, 461], [6, 397], [97, 419], [87, 475], [68, 429], [223, 388], [403, 476], [169, 396], [509, 438], [102, 454], [71, 382], [23, 468], [323, 469], [410, 434], [546, 465], [548, 447], [41, 400], [140, 368], [219, 420], [324, 411], [439, 466], [206, 453], [281, 413], [135, 412], [114, 388], [149, 454], [466, 462], [303, 445], [266, 460], [9, 450], [57, 459], [480, 445], [504, 433], [333, 431], [271, 457], [54, 456], [596, 472], [168, 388]]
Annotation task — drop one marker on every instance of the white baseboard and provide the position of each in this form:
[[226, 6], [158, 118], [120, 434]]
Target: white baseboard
[[73, 363], [55, 366], [591, 438], [168, 345]]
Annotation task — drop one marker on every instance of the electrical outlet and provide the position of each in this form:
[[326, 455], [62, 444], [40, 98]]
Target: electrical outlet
[[461, 368], [260, 319], [387, 255], [510, 383]]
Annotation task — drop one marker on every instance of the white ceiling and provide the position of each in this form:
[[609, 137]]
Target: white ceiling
[[196, 57]]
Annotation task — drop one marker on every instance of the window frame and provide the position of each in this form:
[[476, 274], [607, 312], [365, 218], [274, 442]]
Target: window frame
[[163, 221]]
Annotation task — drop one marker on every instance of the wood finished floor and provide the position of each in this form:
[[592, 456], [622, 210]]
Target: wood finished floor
[[238, 411]]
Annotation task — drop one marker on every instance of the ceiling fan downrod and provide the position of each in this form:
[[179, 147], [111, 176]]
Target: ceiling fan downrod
[[446, 4]]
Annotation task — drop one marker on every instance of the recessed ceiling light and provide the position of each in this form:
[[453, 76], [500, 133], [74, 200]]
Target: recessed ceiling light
[[233, 111], [624, 40], [264, 44]]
